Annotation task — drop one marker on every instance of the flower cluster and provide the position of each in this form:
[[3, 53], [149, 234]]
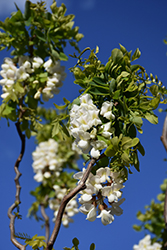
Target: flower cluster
[[86, 125], [105, 185], [145, 244], [71, 208], [47, 161], [26, 68]]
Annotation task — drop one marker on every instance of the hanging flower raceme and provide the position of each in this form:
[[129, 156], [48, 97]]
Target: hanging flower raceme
[[49, 158], [86, 125], [102, 195], [47, 162], [45, 77], [145, 244]]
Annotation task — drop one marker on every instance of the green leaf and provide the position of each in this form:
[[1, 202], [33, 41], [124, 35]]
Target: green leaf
[[116, 95], [55, 54], [19, 88], [134, 67], [154, 89], [55, 129], [75, 241], [141, 149], [122, 48], [137, 120], [7, 110], [125, 157], [155, 102], [110, 152], [151, 118], [137, 228], [63, 57], [40, 35], [27, 12], [112, 85], [117, 55], [136, 54], [92, 246], [128, 142]]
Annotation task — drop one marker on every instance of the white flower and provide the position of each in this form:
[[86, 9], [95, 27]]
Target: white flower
[[104, 174], [95, 153], [37, 94], [112, 192], [38, 177], [37, 62], [83, 144], [86, 99], [47, 175], [106, 110], [85, 198], [106, 130], [4, 95], [21, 74], [90, 210], [145, 243], [106, 217]]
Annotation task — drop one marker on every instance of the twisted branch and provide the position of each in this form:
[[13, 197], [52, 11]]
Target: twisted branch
[[18, 189], [81, 186]]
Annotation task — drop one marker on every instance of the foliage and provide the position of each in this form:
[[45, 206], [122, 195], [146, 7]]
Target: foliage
[[41, 34], [153, 217], [135, 96]]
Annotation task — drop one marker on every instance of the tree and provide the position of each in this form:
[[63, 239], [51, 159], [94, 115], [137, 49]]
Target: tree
[[101, 124]]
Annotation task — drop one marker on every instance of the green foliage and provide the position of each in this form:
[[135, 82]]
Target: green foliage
[[40, 33], [75, 242], [36, 242], [152, 219], [38, 29], [128, 86]]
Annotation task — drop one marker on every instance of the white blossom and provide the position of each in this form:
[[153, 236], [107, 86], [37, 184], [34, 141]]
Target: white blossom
[[37, 62], [145, 244], [26, 66], [101, 187], [106, 217], [85, 126], [106, 110], [46, 159]]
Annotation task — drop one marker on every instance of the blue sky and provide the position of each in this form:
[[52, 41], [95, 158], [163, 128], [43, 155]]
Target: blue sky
[[132, 23]]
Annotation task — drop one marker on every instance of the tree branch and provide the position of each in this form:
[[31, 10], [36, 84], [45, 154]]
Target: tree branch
[[164, 134], [81, 186], [46, 219], [18, 189]]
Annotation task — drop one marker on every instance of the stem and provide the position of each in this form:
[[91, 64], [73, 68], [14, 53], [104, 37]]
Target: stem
[[66, 199], [18, 189], [46, 219]]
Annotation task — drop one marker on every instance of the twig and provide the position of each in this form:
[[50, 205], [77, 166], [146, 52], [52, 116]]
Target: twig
[[81, 186], [18, 189], [46, 218], [164, 134]]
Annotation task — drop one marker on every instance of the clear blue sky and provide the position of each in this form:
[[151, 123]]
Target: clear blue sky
[[133, 23]]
